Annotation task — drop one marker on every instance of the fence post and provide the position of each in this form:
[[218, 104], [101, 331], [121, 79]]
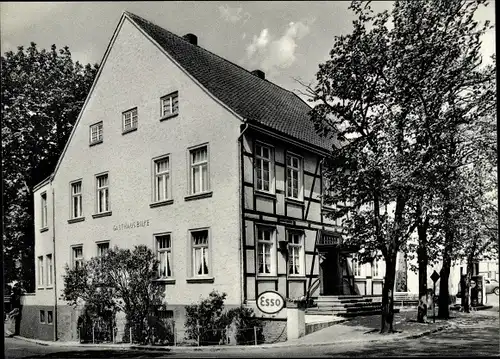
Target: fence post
[[130, 330], [113, 334], [175, 333], [198, 326], [93, 332], [255, 334]]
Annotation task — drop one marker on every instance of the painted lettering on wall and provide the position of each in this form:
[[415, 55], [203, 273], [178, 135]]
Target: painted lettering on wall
[[131, 225]]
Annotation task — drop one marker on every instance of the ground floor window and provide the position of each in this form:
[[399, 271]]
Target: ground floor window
[[266, 251], [200, 252], [295, 253]]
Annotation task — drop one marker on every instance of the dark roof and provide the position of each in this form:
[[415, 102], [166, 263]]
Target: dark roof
[[255, 99]]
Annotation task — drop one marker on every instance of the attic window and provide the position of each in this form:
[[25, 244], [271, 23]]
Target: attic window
[[129, 120], [96, 133], [170, 105]]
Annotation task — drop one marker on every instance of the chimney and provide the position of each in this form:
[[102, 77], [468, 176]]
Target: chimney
[[259, 74], [191, 38]]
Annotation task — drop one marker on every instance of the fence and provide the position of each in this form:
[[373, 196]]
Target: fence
[[166, 332]]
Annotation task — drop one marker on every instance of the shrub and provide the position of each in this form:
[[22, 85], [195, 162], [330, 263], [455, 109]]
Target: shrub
[[245, 320], [206, 320]]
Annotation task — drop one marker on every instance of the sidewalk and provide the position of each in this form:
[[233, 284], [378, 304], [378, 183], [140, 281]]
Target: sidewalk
[[356, 330]]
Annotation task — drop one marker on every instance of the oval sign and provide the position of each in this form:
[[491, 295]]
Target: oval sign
[[270, 302]]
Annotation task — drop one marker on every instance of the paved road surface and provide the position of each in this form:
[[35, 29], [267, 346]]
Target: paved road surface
[[478, 340]]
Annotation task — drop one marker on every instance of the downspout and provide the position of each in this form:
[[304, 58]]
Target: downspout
[[54, 263], [242, 204]]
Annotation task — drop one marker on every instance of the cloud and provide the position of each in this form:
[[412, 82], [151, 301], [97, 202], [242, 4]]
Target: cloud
[[233, 15], [279, 53], [258, 43]]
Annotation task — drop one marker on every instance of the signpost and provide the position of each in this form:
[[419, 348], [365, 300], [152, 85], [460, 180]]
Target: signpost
[[434, 277]]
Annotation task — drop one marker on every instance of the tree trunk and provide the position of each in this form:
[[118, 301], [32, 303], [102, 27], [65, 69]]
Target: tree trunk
[[444, 295], [388, 292], [423, 261]]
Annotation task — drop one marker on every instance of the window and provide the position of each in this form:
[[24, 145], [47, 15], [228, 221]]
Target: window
[[164, 251], [200, 253], [96, 133], [44, 209], [327, 192], [199, 169], [266, 251], [356, 267], [49, 317], [295, 253], [76, 200], [102, 194], [162, 179], [49, 269], [170, 104], [40, 271], [42, 316], [375, 268], [102, 248], [130, 120], [263, 168], [77, 256], [293, 177]]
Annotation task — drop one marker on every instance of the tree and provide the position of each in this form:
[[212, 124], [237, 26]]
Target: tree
[[397, 100], [121, 279], [42, 94]]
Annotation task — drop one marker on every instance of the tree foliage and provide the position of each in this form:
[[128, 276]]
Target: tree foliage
[[403, 100], [120, 280], [42, 94]]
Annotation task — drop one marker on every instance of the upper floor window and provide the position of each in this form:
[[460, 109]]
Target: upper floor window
[[77, 256], [164, 252], [295, 253], [263, 168], [356, 267], [170, 104], [162, 179], [76, 200], [49, 269], [129, 120], [200, 254], [43, 198], [96, 133], [293, 177], [199, 170], [102, 193], [40, 271], [266, 251]]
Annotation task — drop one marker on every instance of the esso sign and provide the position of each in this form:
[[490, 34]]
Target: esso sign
[[270, 302]]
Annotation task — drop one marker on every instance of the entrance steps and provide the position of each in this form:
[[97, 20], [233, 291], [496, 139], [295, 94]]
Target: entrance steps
[[317, 322], [346, 306]]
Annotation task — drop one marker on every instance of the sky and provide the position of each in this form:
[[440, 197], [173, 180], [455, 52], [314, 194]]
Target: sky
[[285, 39]]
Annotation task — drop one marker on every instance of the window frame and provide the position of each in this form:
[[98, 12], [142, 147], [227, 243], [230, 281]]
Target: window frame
[[42, 316], [272, 170], [74, 259], [375, 263], [44, 210], [98, 189], [208, 252], [50, 317], [50, 270], [300, 175], [273, 250], [164, 250], [356, 267], [99, 252], [302, 256], [167, 174], [124, 116], [41, 272], [162, 108], [73, 195], [100, 133], [199, 164]]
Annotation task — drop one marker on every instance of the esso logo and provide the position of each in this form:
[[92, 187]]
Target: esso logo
[[270, 302]]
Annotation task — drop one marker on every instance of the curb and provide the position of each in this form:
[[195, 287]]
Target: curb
[[232, 347]]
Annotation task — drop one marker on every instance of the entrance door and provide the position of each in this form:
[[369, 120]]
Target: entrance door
[[329, 273]]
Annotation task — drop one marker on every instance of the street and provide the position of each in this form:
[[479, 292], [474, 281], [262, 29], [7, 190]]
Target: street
[[478, 340]]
